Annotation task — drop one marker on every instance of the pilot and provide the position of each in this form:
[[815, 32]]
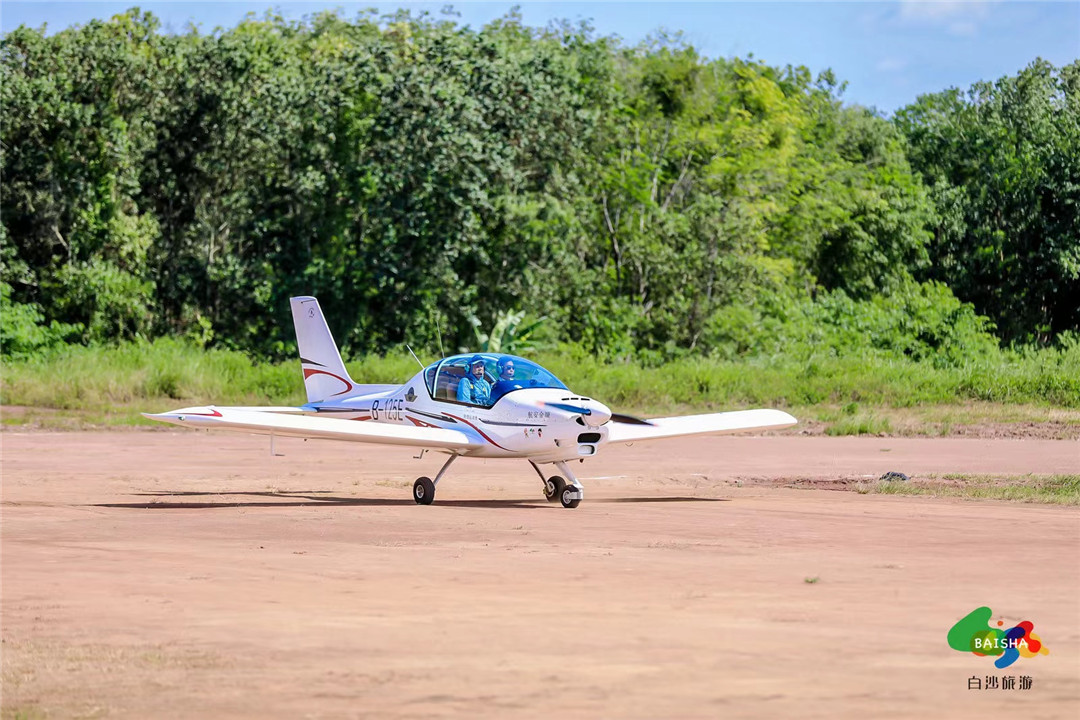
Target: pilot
[[474, 388], [506, 381]]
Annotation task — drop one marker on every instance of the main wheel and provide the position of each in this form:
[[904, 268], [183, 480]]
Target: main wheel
[[569, 497], [553, 488], [423, 491]]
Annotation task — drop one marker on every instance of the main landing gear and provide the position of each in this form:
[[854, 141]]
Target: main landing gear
[[556, 488], [423, 490]]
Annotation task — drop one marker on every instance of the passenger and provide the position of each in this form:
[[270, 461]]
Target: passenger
[[506, 381], [474, 388]]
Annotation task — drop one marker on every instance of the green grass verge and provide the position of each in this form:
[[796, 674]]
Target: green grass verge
[[863, 424], [1051, 489], [859, 394]]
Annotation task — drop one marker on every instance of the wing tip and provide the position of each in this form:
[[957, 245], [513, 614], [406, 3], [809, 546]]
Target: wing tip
[[787, 417]]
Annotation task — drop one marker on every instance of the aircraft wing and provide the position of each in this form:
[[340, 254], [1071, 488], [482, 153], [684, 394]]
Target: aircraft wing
[[711, 424], [285, 422]]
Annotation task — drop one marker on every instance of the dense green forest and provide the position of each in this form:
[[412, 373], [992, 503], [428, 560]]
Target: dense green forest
[[422, 178]]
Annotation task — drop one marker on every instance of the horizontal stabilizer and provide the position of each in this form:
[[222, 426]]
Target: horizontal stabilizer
[[711, 424]]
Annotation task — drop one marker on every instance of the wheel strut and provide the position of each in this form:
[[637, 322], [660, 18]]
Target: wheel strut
[[446, 465]]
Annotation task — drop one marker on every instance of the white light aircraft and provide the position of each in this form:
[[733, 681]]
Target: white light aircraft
[[473, 405]]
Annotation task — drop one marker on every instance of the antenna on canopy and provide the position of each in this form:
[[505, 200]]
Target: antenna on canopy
[[438, 331], [414, 357]]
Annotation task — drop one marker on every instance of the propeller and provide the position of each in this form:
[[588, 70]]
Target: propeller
[[615, 417], [569, 408], [628, 419], [589, 412]]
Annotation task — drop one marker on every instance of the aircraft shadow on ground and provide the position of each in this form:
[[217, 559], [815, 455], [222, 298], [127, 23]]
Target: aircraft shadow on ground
[[315, 498]]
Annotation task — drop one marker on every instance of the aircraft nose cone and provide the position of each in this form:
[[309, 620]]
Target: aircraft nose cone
[[600, 414]]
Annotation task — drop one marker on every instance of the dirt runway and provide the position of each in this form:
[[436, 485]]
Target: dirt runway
[[184, 574]]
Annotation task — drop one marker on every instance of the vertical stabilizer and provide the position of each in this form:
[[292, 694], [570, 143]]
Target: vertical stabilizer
[[324, 372]]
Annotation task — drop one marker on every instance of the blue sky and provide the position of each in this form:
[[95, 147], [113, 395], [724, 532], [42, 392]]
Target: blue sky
[[888, 52]]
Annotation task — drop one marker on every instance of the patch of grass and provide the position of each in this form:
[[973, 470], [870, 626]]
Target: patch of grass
[[811, 580], [26, 713], [103, 378], [862, 424], [850, 385], [863, 393], [1050, 489], [969, 418]]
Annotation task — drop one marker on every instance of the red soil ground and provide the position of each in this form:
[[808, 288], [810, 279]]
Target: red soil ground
[[181, 574]]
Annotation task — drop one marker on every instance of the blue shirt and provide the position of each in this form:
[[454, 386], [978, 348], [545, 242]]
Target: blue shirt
[[502, 387], [473, 391]]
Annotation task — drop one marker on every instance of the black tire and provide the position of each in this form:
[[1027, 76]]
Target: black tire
[[564, 497], [423, 491], [553, 488]]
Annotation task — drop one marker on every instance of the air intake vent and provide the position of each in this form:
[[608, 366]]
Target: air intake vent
[[588, 437]]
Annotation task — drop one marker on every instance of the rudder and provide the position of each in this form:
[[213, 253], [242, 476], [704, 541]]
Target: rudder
[[325, 375]]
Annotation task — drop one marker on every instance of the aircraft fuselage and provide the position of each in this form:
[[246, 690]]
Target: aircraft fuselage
[[526, 422]]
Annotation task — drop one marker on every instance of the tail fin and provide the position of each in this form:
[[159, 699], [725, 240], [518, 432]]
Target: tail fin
[[324, 372]]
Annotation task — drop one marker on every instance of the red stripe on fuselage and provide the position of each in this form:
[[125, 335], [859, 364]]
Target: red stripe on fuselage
[[482, 433]]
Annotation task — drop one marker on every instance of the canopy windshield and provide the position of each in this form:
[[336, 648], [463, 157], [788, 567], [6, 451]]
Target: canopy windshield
[[482, 378]]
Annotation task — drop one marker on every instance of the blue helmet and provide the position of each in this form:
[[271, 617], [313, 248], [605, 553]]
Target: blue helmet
[[474, 360]]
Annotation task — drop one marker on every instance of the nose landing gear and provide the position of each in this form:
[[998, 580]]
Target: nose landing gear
[[556, 489], [553, 487]]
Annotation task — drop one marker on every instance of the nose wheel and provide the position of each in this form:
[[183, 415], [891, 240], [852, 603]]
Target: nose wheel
[[553, 488], [570, 497], [556, 489]]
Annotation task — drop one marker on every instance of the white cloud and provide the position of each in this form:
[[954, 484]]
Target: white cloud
[[938, 10], [891, 64], [957, 17], [967, 28]]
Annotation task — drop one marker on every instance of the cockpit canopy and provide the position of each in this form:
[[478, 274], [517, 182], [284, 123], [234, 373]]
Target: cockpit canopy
[[454, 379]]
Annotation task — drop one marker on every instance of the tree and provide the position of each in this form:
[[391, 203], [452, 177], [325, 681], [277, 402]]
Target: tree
[[1002, 162]]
